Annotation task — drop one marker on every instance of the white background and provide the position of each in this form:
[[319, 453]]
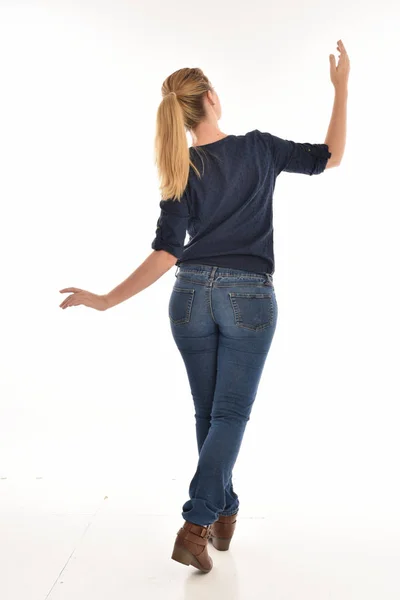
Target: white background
[[103, 398]]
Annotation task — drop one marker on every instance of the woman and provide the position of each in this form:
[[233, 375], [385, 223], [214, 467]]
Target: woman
[[223, 309]]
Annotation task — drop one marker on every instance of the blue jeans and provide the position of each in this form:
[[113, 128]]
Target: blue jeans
[[223, 321]]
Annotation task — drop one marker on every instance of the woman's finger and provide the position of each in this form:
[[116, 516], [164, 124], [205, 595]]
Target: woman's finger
[[69, 301], [70, 289]]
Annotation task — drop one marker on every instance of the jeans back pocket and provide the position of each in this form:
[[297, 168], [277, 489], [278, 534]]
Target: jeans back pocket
[[252, 311], [180, 305]]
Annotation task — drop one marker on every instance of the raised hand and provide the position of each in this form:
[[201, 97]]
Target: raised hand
[[340, 73]]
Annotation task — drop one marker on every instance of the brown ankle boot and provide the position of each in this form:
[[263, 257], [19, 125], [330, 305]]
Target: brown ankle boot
[[222, 531], [191, 546]]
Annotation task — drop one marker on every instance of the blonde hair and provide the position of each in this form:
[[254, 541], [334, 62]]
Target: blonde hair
[[180, 110]]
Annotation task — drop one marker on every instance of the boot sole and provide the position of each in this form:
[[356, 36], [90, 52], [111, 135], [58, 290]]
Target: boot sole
[[183, 556]]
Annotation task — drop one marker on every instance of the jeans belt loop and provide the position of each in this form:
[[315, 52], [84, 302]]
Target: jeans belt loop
[[267, 278]]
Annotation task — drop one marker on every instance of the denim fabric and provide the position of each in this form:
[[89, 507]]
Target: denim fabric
[[223, 321]]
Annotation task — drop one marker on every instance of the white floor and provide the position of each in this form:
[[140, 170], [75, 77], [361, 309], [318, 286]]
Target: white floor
[[79, 541]]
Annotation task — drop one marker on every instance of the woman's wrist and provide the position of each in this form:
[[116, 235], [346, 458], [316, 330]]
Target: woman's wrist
[[341, 89]]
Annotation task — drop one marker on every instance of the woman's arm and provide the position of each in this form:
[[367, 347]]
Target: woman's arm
[[336, 135], [155, 265]]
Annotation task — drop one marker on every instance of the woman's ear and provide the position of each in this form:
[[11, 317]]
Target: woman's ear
[[210, 95]]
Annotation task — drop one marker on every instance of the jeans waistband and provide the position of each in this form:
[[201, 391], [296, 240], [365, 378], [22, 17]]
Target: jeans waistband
[[215, 271]]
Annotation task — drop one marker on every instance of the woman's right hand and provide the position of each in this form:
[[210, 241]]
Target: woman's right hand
[[340, 74]]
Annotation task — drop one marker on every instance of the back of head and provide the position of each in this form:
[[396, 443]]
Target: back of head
[[181, 109]]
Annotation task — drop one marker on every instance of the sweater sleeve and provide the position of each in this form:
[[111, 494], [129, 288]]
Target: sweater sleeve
[[297, 157], [171, 226]]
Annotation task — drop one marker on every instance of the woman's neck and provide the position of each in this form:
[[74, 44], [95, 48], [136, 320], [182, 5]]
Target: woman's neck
[[209, 139]]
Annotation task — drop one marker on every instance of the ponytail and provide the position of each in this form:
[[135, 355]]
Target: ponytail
[[178, 112]]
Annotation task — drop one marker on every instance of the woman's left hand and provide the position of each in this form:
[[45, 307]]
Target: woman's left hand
[[83, 297]]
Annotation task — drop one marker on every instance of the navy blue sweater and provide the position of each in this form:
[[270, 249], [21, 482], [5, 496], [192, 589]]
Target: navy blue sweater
[[228, 212]]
